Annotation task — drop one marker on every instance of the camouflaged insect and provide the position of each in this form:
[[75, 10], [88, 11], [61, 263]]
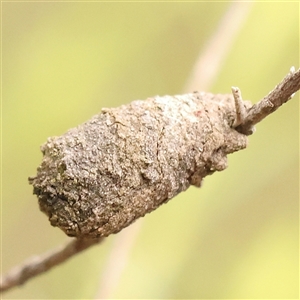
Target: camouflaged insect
[[125, 162]]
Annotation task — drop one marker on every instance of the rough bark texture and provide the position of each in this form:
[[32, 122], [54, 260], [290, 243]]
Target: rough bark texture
[[125, 162]]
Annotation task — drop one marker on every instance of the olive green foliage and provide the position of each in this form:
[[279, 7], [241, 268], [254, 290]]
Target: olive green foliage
[[235, 237]]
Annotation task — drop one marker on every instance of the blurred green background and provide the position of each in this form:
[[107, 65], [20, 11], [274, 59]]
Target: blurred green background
[[236, 237]]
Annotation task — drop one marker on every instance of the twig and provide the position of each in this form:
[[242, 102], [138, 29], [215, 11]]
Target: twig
[[205, 70], [244, 123], [239, 106], [40, 264], [217, 48], [283, 92], [117, 261]]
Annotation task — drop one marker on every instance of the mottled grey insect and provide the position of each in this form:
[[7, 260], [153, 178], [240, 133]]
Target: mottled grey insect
[[99, 177]]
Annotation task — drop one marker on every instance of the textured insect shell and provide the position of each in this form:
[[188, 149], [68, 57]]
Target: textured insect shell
[[99, 177]]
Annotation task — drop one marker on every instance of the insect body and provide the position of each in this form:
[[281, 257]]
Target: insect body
[[99, 177]]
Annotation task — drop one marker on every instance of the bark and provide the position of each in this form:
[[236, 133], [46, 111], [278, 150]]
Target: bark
[[42, 263]]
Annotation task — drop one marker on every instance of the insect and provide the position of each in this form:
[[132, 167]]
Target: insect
[[125, 162]]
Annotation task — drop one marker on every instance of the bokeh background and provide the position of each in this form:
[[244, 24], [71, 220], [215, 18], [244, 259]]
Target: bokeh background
[[238, 236]]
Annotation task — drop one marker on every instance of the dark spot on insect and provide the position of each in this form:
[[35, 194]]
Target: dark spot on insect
[[198, 113]]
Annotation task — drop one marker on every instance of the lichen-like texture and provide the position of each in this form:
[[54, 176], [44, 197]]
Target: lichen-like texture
[[99, 177]]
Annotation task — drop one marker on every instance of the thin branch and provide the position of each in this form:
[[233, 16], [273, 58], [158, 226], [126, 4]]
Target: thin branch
[[205, 70], [117, 260], [218, 47], [40, 264], [283, 92], [37, 265]]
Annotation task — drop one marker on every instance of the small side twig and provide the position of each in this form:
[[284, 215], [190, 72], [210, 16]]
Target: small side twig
[[241, 112], [283, 92], [40, 264]]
